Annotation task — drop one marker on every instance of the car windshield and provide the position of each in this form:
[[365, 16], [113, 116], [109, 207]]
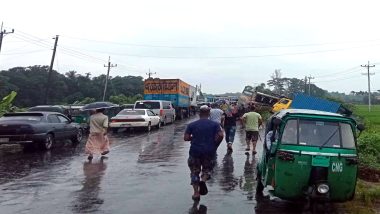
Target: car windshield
[[21, 117], [129, 112], [318, 133], [147, 105]]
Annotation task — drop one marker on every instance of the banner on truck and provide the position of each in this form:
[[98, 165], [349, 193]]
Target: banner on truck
[[167, 86]]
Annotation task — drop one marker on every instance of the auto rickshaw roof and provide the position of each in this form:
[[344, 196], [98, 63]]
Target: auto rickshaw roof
[[285, 112]]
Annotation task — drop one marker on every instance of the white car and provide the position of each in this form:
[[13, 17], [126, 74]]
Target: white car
[[127, 118]]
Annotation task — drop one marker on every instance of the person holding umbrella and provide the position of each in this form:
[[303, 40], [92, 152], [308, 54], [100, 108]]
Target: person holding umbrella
[[97, 142]]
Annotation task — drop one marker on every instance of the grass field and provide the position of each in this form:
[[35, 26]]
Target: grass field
[[372, 119]]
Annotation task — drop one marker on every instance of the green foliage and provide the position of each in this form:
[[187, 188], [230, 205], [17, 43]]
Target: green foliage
[[30, 84], [6, 102], [369, 150], [122, 99], [86, 100], [369, 141]]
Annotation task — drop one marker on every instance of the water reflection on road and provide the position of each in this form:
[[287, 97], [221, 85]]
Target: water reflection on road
[[145, 173], [87, 199]]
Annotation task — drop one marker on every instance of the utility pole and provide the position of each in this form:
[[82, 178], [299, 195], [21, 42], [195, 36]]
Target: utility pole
[[3, 33], [310, 78], [150, 74], [50, 70], [369, 83], [305, 84], [108, 74]]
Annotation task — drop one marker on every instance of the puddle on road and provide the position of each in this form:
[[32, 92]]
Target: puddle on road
[[145, 173]]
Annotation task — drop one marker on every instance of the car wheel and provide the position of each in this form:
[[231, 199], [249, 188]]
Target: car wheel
[[173, 119], [164, 122], [48, 142], [158, 125], [149, 127], [78, 137]]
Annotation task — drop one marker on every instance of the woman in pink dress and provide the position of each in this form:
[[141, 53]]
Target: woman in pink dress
[[97, 142]]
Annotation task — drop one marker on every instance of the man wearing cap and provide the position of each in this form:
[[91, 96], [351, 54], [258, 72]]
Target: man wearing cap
[[204, 136]]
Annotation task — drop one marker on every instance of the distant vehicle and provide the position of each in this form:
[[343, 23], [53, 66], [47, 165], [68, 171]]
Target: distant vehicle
[[162, 108], [38, 128], [141, 118], [128, 106], [51, 108], [179, 93]]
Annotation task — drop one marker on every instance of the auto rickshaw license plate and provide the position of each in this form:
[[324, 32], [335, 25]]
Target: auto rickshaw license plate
[[323, 161]]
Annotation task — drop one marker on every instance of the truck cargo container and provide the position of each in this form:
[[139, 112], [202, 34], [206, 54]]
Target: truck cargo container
[[174, 90]]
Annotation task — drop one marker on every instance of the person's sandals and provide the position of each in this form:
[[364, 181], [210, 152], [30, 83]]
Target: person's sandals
[[105, 152], [254, 152], [203, 188], [247, 149], [90, 157]]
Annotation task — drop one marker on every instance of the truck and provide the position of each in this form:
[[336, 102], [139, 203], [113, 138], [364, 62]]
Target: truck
[[181, 94], [251, 95], [300, 101], [303, 101]]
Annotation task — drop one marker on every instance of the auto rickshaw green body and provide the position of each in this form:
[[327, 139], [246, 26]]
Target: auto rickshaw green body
[[296, 170]]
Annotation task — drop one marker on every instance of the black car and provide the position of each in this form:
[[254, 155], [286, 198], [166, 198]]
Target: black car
[[41, 128], [50, 108]]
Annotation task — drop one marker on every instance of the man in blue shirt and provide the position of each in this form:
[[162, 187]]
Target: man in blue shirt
[[204, 135]]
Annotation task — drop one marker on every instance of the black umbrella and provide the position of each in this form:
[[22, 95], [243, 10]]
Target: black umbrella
[[98, 105]]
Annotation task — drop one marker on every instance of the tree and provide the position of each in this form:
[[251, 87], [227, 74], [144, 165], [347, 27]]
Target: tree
[[277, 82]]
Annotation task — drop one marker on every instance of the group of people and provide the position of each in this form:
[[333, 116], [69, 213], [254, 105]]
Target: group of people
[[206, 134]]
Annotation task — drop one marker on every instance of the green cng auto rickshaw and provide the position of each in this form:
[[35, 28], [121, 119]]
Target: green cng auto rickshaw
[[309, 155]]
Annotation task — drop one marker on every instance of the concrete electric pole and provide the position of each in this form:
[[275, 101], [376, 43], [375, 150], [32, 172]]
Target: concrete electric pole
[[3, 33], [310, 78], [150, 74], [50, 70], [369, 83], [109, 66]]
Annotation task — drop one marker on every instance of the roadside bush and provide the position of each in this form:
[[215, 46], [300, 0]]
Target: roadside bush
[[369, 150]]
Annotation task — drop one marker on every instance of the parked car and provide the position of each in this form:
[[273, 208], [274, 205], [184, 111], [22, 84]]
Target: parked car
[[51, 108], [128, 106], [160, 107], [145, 118], [41, 128]]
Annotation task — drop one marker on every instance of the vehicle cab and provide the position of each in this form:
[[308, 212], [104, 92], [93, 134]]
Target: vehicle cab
[[309, 154]]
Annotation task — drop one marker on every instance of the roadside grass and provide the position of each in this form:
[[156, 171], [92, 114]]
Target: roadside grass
[[371, 119], [367, 196]]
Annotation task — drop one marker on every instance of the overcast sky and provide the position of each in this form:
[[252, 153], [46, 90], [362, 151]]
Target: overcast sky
[[224, 45]]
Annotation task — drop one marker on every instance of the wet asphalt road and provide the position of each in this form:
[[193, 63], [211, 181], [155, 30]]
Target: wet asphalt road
[[145, 173]]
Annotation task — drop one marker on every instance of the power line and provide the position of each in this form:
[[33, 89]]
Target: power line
[[349, 70], [332, 80], [219, 47], [369, 83], [232, 57]]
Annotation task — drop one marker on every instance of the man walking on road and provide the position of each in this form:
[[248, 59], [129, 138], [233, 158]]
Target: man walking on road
[[230, 117], [204, 136], [216, 114], [252, 120]]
